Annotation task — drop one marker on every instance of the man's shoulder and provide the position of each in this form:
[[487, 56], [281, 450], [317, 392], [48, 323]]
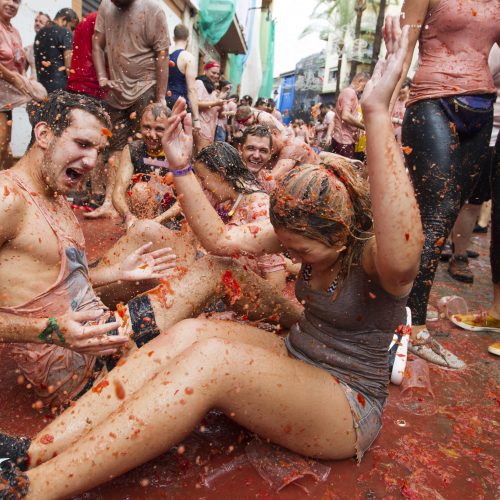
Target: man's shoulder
[[12, 205]]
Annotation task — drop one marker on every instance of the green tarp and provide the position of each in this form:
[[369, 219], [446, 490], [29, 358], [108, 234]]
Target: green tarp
[[215, 18]]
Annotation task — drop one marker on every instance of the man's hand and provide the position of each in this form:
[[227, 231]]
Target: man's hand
[[20, 83], [87, 338], [177, 139], [143, 265], [108, 84]]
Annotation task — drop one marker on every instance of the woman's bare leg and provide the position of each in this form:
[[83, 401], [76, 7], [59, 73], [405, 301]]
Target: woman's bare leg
[[141, 232], [268, 393], [127, 378], [199, 285]]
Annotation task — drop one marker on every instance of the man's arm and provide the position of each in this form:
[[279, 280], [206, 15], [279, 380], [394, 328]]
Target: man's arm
[[191, 86], [161, 63], [68, 54], [282, 167], [98, 46], [350, 119]]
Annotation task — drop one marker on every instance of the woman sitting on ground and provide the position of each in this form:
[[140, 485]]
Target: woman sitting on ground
[[319, 393]]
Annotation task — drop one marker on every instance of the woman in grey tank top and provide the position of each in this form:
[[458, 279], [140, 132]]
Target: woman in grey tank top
[[322, 393]]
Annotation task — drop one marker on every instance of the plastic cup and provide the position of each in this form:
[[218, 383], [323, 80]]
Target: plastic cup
[[450, 305]]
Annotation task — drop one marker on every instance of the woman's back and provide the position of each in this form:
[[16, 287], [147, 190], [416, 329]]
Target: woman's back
[[455, 41]]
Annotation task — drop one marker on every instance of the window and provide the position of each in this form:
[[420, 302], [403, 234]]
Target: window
[[332, 75]]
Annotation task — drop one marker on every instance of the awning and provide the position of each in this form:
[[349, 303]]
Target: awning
[[233, 42]]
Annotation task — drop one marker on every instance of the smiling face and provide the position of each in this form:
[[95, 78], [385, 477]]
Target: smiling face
[[8, 9], [213, 74], [152, 131], [256, 152], [73, 154]]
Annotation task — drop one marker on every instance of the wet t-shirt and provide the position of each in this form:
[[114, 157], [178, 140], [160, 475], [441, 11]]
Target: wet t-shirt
[[133, 37], [11, 49], [344, 133], [453, 49], [50, 44]]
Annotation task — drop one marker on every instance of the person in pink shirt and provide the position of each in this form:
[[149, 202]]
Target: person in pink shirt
[[346, 122], [210, 103], [15, 88]]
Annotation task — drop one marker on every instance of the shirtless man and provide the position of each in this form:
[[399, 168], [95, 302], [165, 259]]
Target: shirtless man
[[48, 305], [142, 190]]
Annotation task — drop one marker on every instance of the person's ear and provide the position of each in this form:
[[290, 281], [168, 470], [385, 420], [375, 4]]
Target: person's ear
[[43, 134]]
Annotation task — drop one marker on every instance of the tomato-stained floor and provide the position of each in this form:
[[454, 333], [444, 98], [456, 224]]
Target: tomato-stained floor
[[445, 447]]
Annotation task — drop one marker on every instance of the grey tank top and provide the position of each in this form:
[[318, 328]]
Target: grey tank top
[[349, 336]]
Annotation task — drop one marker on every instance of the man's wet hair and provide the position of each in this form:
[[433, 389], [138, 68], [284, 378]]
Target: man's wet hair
[[181, 32], [67, 15], [56, 111], [257, 131], [40, 13], [157, 110], [362, 75]]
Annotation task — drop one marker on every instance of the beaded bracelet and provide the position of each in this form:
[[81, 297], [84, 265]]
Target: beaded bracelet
[[182, 172], [51, 328]]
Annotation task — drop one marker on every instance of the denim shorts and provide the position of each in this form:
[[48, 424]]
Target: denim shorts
[[366, 413]]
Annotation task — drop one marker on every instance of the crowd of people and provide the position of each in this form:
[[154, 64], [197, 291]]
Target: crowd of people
[[222, 203]]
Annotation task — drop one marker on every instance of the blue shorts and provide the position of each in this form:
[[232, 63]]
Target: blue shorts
[[366, 413]]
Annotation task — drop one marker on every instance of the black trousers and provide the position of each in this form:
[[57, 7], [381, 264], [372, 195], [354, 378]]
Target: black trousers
[[444, 167], [495, 214]]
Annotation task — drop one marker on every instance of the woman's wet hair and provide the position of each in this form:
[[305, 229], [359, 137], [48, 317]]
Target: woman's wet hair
[[327, 203], [55, 111], [257, 131], [223, 159]]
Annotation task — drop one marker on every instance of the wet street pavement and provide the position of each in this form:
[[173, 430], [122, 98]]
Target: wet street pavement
[[441, 447]]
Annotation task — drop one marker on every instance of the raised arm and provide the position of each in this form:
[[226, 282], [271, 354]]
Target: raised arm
[[161, 63], [190, 74], [395, 253], [217, 238]]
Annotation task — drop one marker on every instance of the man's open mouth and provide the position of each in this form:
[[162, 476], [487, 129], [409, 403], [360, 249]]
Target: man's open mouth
[[73, 175]]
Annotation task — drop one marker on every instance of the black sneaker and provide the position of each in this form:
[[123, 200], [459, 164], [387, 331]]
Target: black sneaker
[[459, 269], [480, 229], [15, 448], [14, 483]]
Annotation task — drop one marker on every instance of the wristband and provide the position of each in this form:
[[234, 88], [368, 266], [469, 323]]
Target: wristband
[[51, 328], [182, 172]]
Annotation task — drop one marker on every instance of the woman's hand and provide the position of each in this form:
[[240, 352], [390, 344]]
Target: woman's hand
[[380, 87], [143, 265], [177, 139], [86, 338]]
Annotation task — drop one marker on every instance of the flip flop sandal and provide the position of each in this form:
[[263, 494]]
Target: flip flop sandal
[[431, 350], [398, 350]]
